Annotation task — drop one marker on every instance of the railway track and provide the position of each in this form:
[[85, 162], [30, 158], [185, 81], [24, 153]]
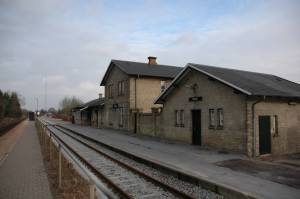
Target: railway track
[[125, 180]]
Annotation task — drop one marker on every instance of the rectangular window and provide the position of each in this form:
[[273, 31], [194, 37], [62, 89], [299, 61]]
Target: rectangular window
[[182, 118], [121, 88], [162, 86], [212, 118], [110, 90], [121, 117], [220, 118], [275, 125], [179, 118]]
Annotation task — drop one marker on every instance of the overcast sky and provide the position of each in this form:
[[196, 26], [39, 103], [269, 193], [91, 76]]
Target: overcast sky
[[69, 44]]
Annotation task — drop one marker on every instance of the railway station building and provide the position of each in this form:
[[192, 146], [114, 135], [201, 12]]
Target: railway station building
[[233, 110], [219, 108], [130, 90], [90, 113]]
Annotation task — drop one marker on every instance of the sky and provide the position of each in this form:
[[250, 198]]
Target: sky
[[58, 48]]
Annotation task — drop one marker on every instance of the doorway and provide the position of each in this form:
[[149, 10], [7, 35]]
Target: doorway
[[135, 123], [196, 127], [96, 122], [264, 134]]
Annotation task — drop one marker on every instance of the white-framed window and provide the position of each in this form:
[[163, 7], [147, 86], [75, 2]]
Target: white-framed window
[[179, 118], [163, 85], [220, 115], [212, 122]]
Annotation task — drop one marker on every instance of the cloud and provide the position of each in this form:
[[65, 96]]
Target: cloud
[[70, 43]]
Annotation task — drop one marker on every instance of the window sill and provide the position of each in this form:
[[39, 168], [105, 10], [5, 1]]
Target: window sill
[[211, 127], [179, 125], [219, 127]]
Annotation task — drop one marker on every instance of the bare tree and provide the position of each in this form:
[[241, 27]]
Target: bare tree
[[67, 103]]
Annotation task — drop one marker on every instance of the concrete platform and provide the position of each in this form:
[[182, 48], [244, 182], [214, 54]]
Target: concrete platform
[[22, 174], [191, 160]]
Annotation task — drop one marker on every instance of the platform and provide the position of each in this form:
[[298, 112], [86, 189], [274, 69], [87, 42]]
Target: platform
[[22, 172]]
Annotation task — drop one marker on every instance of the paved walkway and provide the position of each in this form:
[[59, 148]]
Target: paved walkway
[[9, 139], [191, 160], [22, 175]]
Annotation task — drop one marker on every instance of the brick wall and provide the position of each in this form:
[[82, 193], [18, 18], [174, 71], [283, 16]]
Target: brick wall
[[145, 90], [149, 124], [215, 95], [288, 138], [111, 116]]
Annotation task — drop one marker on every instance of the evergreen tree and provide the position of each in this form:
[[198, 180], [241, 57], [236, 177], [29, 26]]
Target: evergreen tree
[[15, 107], [1, 105], [6, 100]]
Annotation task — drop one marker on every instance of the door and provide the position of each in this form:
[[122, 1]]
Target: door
[[96, 122], [135, 123], [196, 127], [264, 134]]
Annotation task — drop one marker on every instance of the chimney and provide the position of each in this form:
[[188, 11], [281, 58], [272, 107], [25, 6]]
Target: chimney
[[100, 95], [152, 60]]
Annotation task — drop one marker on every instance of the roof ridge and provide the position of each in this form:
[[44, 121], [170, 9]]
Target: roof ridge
[[145, 63], [233, 69]]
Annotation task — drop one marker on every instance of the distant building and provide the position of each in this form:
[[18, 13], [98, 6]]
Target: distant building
[[89, 113], [235, 110]]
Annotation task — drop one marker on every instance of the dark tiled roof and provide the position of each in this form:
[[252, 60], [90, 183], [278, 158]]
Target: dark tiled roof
[[255, 83], [92, 103], [143, 69], [249, 83], [95, 102]]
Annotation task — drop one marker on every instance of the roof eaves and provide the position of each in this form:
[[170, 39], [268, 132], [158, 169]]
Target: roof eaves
[[219, 79]]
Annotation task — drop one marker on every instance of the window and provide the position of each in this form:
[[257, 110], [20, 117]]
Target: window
[[275, 125], [212, 118], [121, 117], [220, 118], [163, 86], [110, 90], [179, 118], [121, 88]]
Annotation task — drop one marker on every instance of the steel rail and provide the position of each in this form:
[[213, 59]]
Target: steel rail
[[103, 191], [126, 166], [120, 192]]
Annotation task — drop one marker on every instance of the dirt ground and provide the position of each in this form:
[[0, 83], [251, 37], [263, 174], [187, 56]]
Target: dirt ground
[[283, 169]]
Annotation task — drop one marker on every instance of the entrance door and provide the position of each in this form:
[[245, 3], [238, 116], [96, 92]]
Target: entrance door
[[264, 134], [135, 123], [196, 126], [96, 122]]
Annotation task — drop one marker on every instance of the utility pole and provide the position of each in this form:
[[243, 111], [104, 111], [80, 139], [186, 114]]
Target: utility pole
[[46, 93], [37, 104]]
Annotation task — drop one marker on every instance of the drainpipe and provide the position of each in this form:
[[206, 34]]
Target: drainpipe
[[254, 124]]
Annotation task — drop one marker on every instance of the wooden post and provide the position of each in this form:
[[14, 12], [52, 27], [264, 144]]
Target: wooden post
[[59, 167], [45, 141], [42, 137], [50, 148], [92, 191]]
